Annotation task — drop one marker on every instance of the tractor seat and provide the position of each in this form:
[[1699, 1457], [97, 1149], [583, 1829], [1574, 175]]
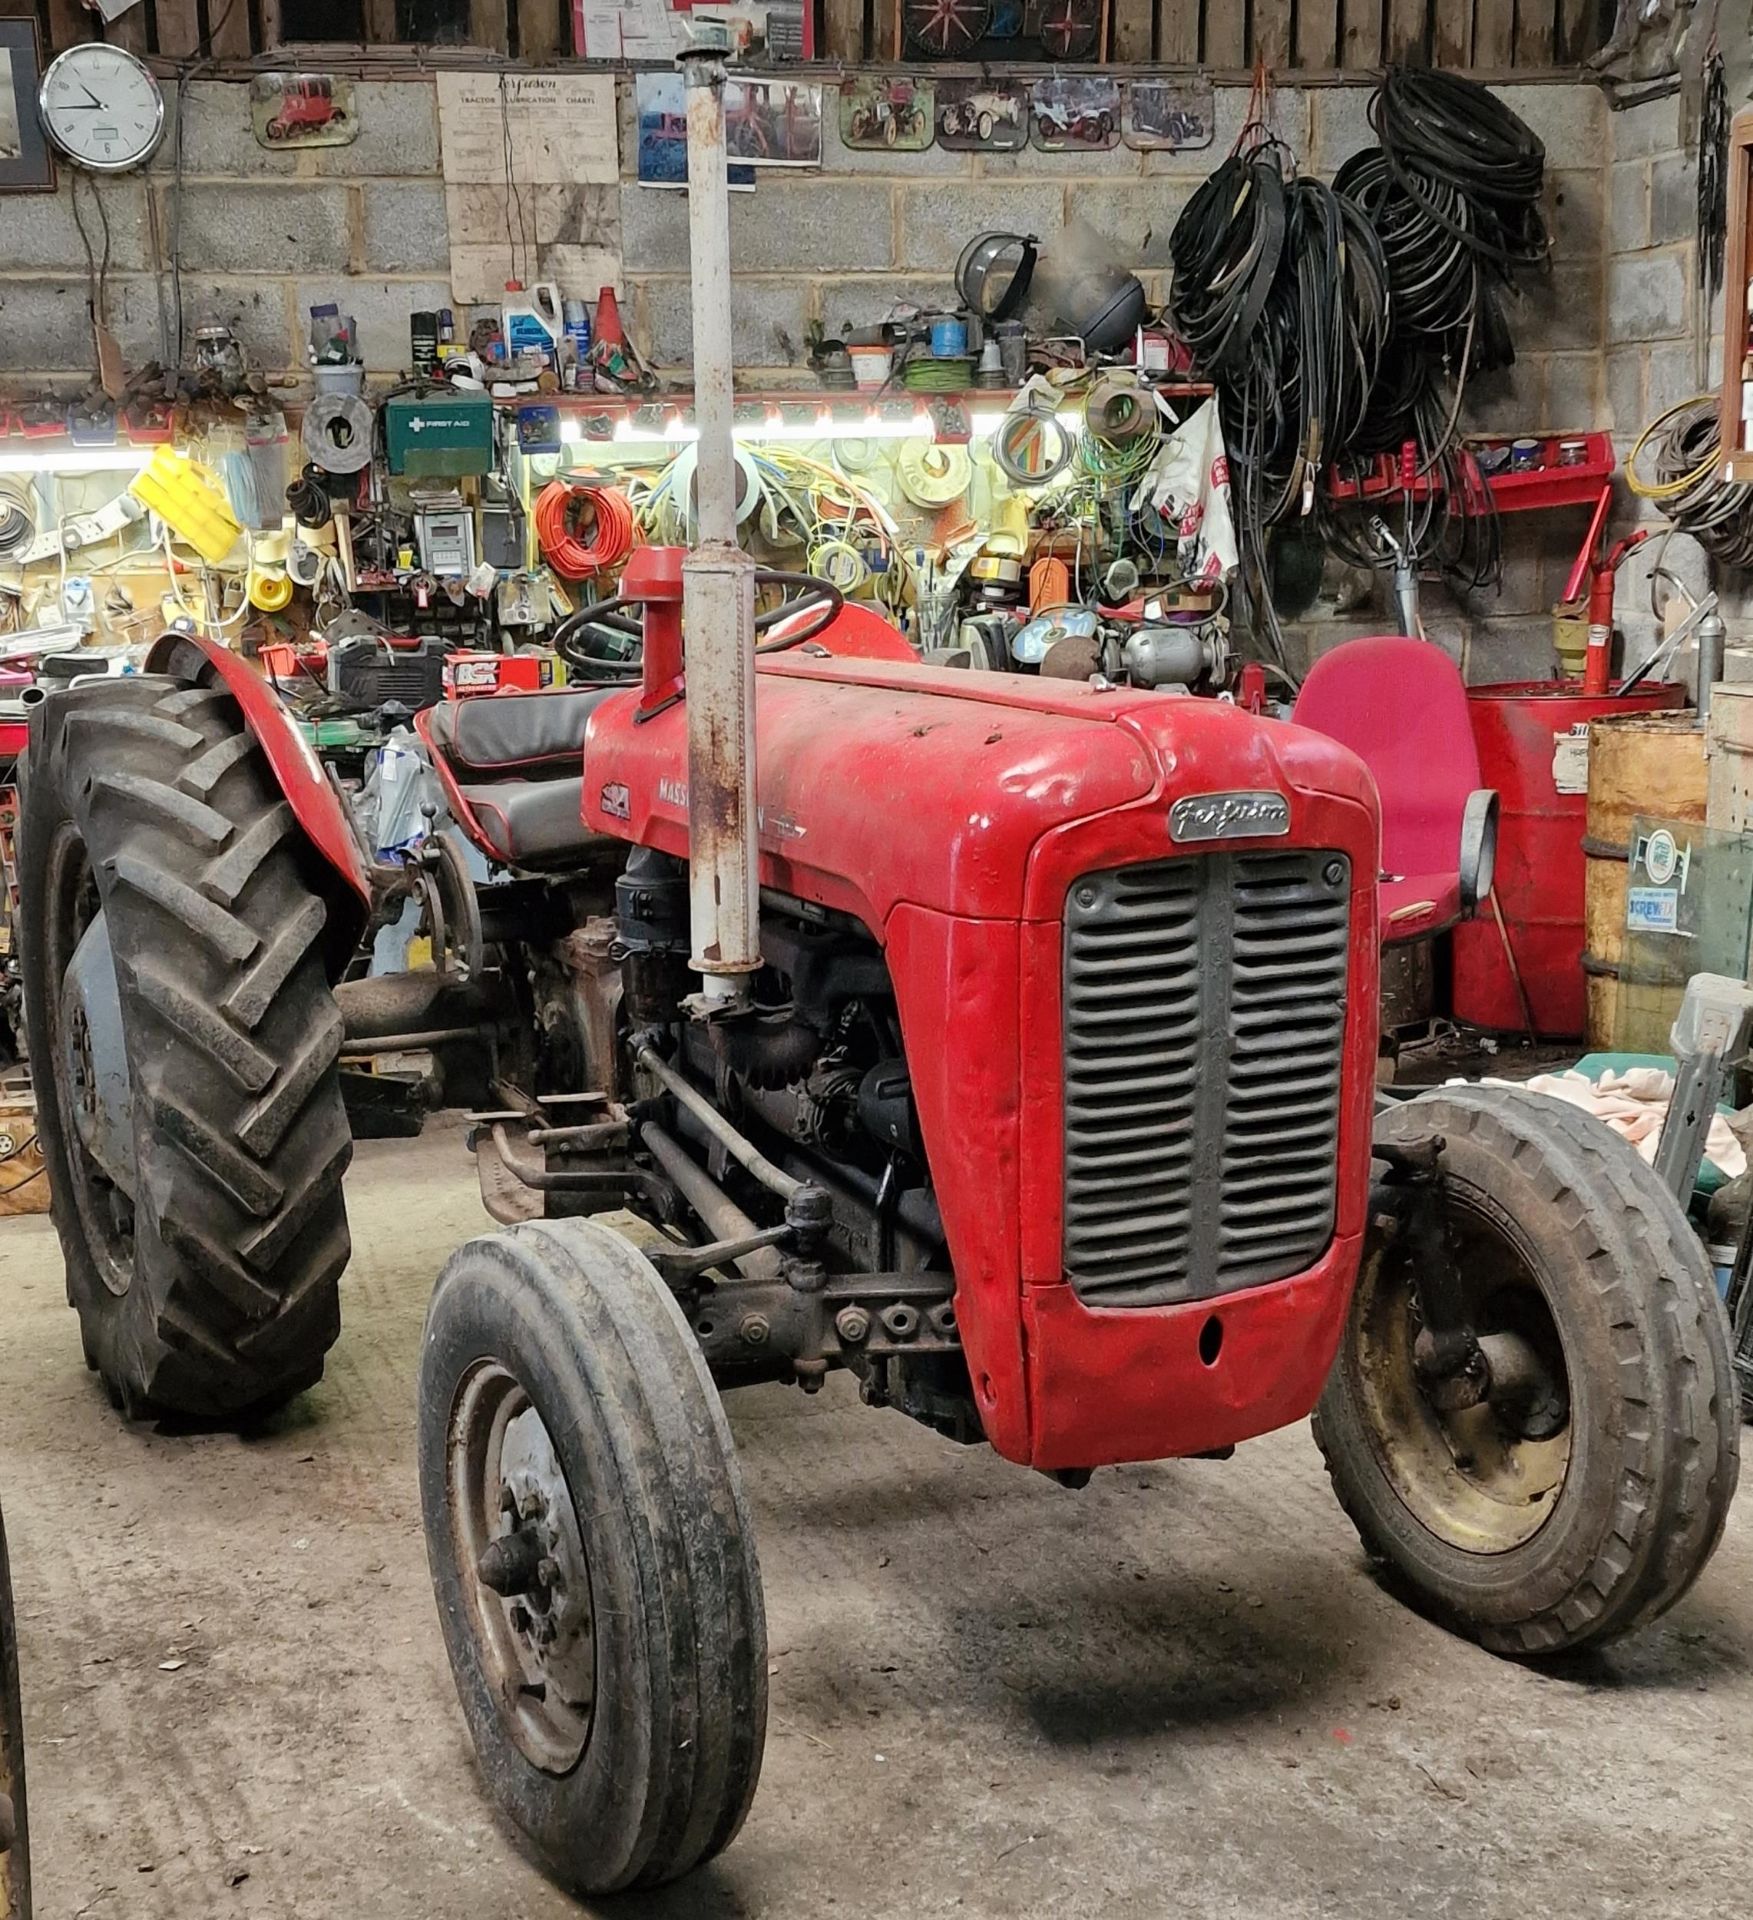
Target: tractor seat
[[1401, 706], [513, 763], [514, 735]]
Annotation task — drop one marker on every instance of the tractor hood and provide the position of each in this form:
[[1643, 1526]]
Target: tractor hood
[[882, 784]]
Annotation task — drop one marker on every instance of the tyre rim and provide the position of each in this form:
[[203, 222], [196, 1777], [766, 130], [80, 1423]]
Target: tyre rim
[[516, 1533], [1484, 1479], [104, 1212]]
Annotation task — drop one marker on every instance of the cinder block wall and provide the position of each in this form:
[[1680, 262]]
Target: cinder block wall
[[263, 234], [1664, 342]]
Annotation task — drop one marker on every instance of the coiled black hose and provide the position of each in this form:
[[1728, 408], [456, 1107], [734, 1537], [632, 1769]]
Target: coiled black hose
[[1345, 321]]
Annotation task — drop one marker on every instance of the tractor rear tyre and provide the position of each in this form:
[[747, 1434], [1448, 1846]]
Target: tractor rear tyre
[[14, 1826], [185, 1041], [1582, 1500], [591, 1554]]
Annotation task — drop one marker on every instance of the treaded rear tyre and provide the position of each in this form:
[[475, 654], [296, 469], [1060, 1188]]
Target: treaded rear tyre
[[1653, 1433], [14, 1820], [219, 1296], [643, 1511]]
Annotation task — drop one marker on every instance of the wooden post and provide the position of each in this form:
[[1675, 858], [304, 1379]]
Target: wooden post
[[1225, 42], [129, 31], [1134, 31], [1408, 29], [843, 30], [1579, 31], [179, 28], [489, 26], [228, 29], [1536, 22], [1453, 48], [1494, 35], [1271, 39], [541, 30], [1317, 35], [1360, 34], [1177, 32], [69, 23]]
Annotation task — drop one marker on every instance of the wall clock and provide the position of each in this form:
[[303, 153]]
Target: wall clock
[[101, 108]]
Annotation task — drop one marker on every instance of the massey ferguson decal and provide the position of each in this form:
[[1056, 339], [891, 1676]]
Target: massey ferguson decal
[[674, 793], [1228, 816]]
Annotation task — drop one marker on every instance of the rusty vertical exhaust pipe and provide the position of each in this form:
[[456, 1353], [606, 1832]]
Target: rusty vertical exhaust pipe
[[718, 579]]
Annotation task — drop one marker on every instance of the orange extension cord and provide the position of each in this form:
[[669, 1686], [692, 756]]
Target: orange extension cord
[[560, 505]]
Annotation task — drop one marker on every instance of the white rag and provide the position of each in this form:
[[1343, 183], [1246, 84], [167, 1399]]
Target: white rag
[[1634, 1103]]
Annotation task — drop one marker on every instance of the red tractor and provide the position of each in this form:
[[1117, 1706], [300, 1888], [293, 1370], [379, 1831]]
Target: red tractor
[[1008, 1044]]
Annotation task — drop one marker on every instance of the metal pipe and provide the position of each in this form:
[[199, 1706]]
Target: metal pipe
[[718, 581], [1711, 640], [746, 1154], [722, 1215], [408, 1042], [703, 71]]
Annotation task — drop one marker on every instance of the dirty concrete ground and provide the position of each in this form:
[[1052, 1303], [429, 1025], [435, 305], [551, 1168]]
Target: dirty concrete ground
[[1179, 1692]]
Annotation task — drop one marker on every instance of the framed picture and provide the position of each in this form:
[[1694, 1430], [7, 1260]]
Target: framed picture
[[1076, 112], [303, 110], [982, 116], [772, 123], [1169, 114], [884, 113], [662, 107], [26, 164]]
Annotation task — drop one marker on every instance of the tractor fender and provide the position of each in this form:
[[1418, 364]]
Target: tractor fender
[[314, 802]]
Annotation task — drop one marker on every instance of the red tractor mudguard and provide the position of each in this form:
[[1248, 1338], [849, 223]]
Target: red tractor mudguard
[[952, 813], [313, 800]]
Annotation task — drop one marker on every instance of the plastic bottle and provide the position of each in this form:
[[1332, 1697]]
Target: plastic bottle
[[532, 320]]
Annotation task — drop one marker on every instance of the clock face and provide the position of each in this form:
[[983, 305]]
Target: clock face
[[101, 107]]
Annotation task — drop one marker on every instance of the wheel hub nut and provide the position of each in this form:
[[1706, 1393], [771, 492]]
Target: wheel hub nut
[[513, 1563]]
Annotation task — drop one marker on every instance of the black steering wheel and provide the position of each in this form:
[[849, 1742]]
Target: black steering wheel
[[602, 642]]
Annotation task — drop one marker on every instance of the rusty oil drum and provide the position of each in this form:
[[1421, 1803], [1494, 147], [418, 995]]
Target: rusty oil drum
[[1532, 738], [1640, 764], [14, 1840]]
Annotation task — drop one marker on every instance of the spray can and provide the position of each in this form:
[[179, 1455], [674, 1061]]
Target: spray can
[[577, 341]]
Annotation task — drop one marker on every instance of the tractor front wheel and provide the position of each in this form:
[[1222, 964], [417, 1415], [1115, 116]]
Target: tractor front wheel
[[14, 1827], [184, 1042], [591, 1554], [1582, 1496]]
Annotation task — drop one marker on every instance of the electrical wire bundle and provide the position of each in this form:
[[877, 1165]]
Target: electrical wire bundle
[[1688, 484], [561, 508]]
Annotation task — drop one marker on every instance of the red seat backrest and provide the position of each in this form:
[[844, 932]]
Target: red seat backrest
[[1401, 706]]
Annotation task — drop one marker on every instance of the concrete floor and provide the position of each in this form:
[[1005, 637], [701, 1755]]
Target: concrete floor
[[1178, 1692]]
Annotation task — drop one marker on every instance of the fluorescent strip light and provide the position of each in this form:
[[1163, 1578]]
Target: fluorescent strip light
[[677, 431], [74, 460]]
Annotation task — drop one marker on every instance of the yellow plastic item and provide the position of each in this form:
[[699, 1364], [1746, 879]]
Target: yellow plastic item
[[1010, 527], [189, 501], [269, 591]]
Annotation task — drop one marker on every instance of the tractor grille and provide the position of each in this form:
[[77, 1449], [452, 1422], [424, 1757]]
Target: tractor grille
[[1204, 1031]]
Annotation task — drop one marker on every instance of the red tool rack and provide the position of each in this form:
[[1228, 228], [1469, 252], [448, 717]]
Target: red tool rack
[[1543, 484]]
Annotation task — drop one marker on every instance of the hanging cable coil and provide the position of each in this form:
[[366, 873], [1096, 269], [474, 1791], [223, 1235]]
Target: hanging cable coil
[[562, 507]]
